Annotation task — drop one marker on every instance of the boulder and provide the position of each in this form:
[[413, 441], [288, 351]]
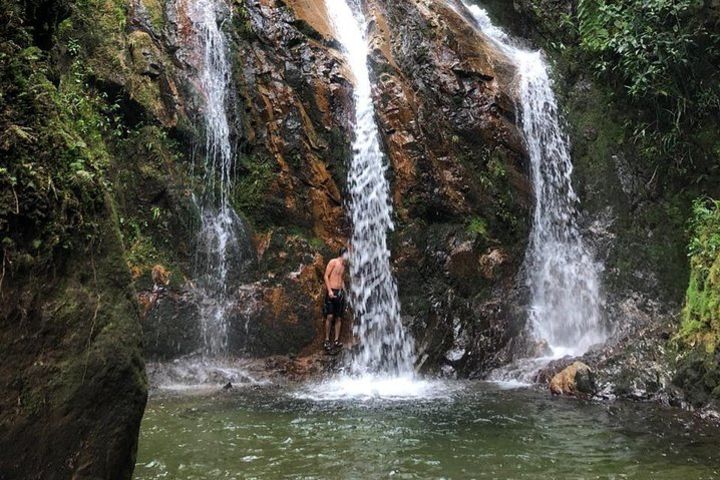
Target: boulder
[[577, 380], [73, 377]]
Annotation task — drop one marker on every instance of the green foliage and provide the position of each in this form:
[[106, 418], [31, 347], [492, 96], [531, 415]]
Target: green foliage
[[52, 145], [665, 57], [478, 227], [251, 188], [701, 315], [645, 42], [242, 21], [141, 252]]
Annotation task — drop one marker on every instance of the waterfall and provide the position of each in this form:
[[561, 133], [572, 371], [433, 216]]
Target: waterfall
[[385, 348], [563, 277], [218, 238]]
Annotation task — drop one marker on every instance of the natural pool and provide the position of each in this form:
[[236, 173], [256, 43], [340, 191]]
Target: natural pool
[[443, 430]]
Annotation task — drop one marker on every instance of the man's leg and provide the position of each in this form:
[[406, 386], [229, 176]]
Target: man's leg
[[328, 324], [338, 325]]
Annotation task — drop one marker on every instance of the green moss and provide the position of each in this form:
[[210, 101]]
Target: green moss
[[478, 227], [317, 244], [701, 313], [698, 338], [56, 157], [95, 32], [156, 12], [242, 21], [493, 193], [250, 193]]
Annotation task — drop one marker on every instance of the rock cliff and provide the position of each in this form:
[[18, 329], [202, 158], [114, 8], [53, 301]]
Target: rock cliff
[[100, 139], [445, 108], [100, 113], [637, 189]]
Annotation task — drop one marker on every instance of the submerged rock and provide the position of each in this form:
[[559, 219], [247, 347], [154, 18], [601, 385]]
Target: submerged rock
[[577, 379]]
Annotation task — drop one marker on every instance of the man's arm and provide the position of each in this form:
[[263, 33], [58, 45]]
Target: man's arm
[[328, 271]]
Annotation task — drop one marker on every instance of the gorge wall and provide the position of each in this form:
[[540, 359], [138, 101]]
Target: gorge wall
[[447, 123], [99, 144], [99, 141]]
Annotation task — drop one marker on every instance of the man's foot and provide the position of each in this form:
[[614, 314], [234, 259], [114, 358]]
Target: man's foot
[[327, 345], [337, 345]]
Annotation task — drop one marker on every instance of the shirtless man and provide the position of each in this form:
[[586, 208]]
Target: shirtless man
[[334, 304]]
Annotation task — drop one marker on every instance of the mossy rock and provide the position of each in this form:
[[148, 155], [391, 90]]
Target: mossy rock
[[77, 366], [698, 375]]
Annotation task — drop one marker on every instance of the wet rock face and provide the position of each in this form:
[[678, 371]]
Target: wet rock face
[[297, 106], [443, 97], [698, 375], [290, 106], [72, 372], [144, 54], [443, 100], [171, 325]]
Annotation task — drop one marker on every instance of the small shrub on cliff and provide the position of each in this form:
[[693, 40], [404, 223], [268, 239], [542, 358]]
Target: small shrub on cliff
[[478, 227]]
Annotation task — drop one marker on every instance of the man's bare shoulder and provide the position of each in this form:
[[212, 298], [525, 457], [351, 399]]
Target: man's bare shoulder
[[332, 263]]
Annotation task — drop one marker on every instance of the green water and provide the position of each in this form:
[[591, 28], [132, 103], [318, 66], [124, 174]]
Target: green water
[[471, 430]]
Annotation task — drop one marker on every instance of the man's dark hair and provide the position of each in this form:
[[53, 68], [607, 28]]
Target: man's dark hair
[[342, 252]]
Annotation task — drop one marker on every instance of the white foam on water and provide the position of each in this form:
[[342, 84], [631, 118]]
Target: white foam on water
[[512, 384], [372, 387], [198, 375]]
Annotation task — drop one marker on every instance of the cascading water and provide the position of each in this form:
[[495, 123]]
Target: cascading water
[[563, 277], [218, 237], [385, 348]]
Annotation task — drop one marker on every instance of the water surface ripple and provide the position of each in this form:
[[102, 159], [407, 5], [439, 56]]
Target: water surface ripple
[[476, 430]]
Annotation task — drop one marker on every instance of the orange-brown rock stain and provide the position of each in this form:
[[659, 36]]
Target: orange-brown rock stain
[[314, 12], [565, 383]]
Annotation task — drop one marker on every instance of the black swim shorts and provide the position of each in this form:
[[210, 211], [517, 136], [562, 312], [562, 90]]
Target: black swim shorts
[[334, 306]]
